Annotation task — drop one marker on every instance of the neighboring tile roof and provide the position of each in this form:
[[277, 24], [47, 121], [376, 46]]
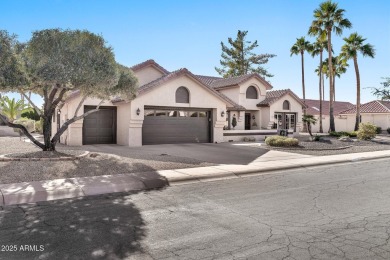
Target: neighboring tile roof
[[376, 106], [217, 82], [149, 63], [175, 74], [275, 95], [313, 107]]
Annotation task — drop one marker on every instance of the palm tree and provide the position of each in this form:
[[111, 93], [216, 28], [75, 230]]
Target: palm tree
[[354, 44], [12, 109], [318, 49], [339, 67], [309, 120], [300, 47], [330, 18]]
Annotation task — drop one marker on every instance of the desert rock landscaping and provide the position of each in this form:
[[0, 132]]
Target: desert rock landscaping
[[95, 164]]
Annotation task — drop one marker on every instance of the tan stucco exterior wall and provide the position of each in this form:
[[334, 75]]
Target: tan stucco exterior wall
[[295, 107], [164, 95], [147, 75], [74, 135]]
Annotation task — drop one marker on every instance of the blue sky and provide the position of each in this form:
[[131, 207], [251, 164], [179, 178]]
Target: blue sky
[[188, 33]]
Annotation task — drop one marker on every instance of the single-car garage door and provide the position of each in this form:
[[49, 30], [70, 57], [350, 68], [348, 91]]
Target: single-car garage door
[[170, 126], [100, 127]]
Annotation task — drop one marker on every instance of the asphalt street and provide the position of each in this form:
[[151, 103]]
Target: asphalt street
[[329, 212]]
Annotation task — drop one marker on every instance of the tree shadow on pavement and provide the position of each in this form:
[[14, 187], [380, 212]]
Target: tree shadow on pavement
[[95, 227]]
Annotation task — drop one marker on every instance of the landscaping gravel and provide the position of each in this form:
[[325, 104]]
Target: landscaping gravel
[[332, 146], [95, 164]]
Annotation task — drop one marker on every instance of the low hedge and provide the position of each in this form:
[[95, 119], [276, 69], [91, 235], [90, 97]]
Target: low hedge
[[343, 133], [281, 141]]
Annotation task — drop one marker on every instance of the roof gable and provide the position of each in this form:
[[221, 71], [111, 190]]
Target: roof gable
[[274, 95], [375, 106], [184, 72], [220, 83], [148, 63]]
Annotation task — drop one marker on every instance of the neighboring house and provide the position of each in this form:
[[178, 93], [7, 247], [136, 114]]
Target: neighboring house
[[376, 112], [342, 123], [181, 107]]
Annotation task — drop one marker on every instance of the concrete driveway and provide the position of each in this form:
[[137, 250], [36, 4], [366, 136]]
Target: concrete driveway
[[222, 153]]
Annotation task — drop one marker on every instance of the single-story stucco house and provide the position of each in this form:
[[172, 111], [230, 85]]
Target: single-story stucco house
[[342, 123], [181, 107], [376, 112]]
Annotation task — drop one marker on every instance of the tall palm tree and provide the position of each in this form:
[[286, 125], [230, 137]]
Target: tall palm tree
[[354, 44], [330, 18], [12, 109], [300, 47], [318, 49], [339, 67]]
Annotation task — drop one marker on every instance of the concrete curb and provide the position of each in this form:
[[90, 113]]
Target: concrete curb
[[4, 158], [30, 192]]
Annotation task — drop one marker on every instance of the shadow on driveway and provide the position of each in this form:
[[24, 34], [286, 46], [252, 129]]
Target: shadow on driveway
[[222, 153], [98, 227]]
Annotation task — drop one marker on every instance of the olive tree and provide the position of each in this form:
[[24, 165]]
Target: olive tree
[[56, 63]]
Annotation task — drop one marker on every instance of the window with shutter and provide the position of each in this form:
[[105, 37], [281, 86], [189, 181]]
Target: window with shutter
[[182, 95], [251, 93]]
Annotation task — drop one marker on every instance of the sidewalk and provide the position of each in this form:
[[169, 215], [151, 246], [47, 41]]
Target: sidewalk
[[268, 163]]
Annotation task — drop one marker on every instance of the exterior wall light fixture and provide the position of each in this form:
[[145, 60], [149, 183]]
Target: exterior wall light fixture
[[138, 111], [223, 113], [253, 117]]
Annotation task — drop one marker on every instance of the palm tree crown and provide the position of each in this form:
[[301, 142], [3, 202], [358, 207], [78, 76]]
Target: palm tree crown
[[354, 45], [329, 17], [300, 46], [11, 108]]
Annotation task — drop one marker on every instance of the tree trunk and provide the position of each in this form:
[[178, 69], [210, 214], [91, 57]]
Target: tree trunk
[[47, 121], [320, 89], [303, 88], [331, 90], [334, 88], [357, 93], [23, 130]]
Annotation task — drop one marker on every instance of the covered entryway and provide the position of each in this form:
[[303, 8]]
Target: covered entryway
[[100, 127], [176, 125]]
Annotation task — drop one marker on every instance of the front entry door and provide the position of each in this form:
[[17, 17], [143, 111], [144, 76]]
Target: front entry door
[[247, 121], [285, 121]]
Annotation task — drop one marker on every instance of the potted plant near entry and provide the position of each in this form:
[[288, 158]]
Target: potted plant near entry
[[234, 121]]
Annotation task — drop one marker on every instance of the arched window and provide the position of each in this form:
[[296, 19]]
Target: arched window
[[251, 93], [286, 105], [182, 95]]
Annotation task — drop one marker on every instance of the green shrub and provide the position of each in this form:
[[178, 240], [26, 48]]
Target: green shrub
[[27, 123], [281, 141], [378, 130], [388, 130], [317, 138], [343, 133], [366, 131], [32, 114]]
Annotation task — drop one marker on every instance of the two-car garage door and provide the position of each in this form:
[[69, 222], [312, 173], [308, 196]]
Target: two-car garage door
[[169, 126], [160, 126]]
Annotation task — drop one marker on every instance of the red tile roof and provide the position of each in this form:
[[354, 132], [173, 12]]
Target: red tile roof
[[218, 83], [275, 95], [313, 107], [149, 63], [376, 106]]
